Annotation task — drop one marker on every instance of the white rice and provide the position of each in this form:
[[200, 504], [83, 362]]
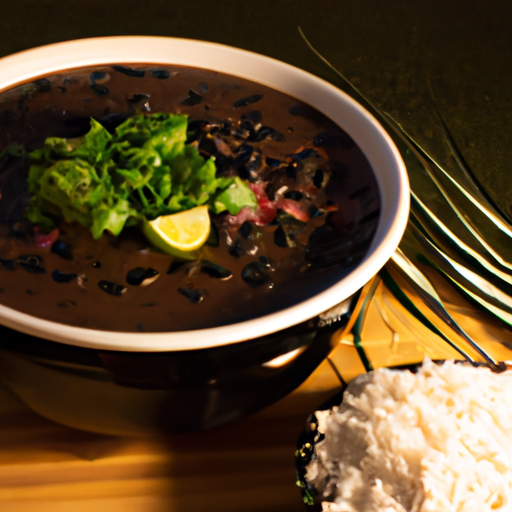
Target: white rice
[[439, 440]]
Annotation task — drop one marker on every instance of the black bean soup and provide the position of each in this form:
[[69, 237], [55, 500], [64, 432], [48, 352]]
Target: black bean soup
[[245, 271]]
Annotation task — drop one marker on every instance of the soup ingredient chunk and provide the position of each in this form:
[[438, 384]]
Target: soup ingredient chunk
[[179, 234], [435, 441], [142, 171]]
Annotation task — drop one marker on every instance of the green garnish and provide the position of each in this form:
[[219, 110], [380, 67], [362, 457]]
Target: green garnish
[[142, 171]]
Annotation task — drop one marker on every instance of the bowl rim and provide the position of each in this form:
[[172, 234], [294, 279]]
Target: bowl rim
[[369, 135]]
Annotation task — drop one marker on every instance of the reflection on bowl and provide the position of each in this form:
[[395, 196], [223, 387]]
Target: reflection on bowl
[[133, 393], [82, 370]]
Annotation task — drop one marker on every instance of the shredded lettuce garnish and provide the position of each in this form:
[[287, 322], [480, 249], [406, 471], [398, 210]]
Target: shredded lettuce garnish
[[144, 170]]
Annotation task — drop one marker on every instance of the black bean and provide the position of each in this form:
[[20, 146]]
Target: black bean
[[223, 164], [193, 295], [294, 195], [62, 249], [96, 264], [318, 178], [263, 133], [245, 229], [139, 103], [99, 89], [254, 274], [245, 130], [161, 74], [78, 126], [137, 73], [97, 76], [226, 128], [111, 288], [194, 130], [235, 249], [272, 162], [280, 238], [248, 100], [203, 87], [305, 153], [255, 116], [216, 271], [137, 98], [61, 277], [254, 162], [243, 173], [43, 85], [291, 171], [31, 263], [193, 99], [139, 275], [243, 156], [265, 261]]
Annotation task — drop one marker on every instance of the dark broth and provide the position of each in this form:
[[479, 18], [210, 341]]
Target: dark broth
[[95, 284]]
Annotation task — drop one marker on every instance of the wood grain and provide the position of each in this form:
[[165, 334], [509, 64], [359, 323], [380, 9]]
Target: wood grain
[[248, 465]]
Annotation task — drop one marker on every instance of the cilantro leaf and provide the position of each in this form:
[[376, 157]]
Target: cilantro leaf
[[142, 171], [234, 198]]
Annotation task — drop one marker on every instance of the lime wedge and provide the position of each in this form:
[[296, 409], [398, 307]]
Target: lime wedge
[[180, 234]]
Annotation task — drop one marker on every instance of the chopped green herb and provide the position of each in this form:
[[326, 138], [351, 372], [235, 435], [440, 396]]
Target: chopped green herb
[[142, 171]]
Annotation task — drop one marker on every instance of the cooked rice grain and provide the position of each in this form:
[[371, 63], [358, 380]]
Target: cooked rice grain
[[438, 440]]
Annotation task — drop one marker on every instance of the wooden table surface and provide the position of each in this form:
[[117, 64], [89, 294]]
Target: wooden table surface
[[248, 465]]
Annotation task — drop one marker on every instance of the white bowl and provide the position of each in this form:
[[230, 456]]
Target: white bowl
[[367, 133]]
